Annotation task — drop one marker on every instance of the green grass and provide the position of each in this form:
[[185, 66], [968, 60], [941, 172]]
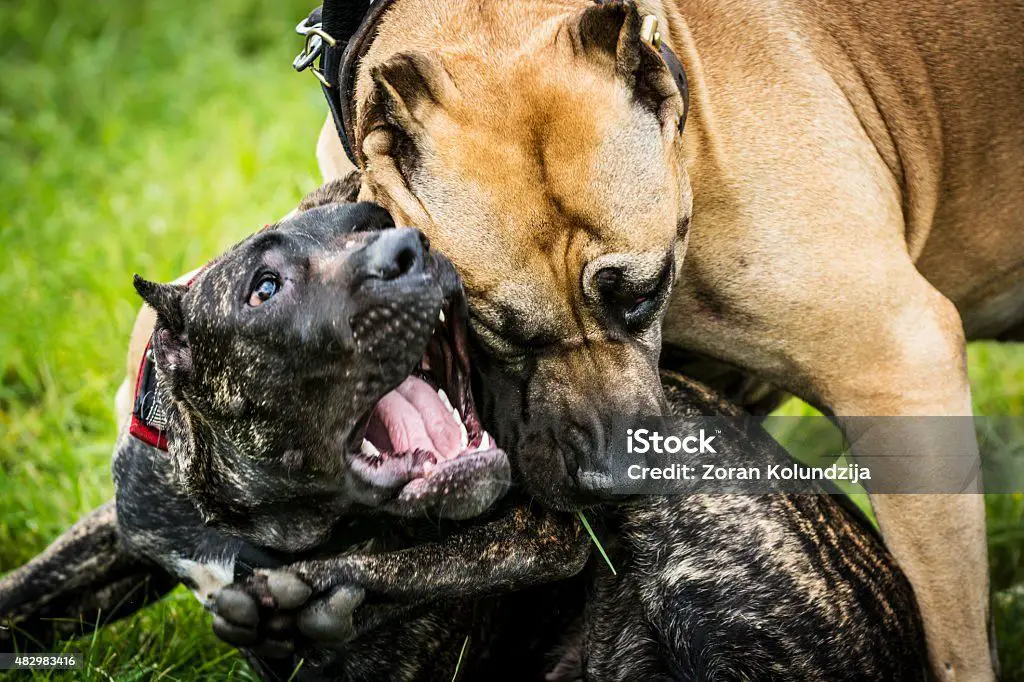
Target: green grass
[[134, 137], [144, 136]]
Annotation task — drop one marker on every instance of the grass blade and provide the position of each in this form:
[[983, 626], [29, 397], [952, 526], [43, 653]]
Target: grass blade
[[296, 671], [600, 547], [462, 652]]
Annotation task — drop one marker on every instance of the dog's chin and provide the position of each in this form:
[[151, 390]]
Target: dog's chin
[[564, 494], [545, 472], [459, 488], [417, 484]]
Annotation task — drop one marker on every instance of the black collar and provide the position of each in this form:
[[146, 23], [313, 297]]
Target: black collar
[[341, 32]]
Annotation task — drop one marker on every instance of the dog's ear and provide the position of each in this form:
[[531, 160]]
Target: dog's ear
[[170, 339], [406, 88], [164, 299], [610, 33], [392, 130]]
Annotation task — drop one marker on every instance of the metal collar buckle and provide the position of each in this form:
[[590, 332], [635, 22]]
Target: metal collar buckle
[[315, 36], [649, 32]]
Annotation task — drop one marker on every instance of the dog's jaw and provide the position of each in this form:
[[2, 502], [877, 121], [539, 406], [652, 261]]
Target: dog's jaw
[[423, 440]]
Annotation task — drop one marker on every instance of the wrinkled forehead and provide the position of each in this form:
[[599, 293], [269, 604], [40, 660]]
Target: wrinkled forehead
[[553, 175]]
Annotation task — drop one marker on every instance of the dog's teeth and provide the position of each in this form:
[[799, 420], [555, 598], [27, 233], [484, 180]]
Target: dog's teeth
[[444, 400], [440, 316], [485, 442], [369, 449], [462, 428]]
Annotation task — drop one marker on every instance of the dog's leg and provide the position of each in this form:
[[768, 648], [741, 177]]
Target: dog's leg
[[83, 580], [916, 368], [524, 547], [845, 320]]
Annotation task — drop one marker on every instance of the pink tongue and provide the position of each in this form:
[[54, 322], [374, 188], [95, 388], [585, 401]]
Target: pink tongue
[[412, 417]]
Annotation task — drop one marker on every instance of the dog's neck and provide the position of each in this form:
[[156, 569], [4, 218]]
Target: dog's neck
[[200, 455], [226, 482]]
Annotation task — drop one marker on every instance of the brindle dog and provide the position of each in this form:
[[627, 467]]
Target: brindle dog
[[773, 587], [303, 374]]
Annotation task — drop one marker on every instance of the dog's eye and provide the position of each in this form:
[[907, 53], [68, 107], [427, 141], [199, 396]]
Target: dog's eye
[[632, 304], [642, 306], [265, 288]]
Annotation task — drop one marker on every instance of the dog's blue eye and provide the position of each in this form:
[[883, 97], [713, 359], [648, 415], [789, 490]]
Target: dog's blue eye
[[265, 288]]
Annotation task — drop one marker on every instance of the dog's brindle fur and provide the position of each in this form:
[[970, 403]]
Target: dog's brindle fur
[[767, 587], [262, 413], [847, 193], [770, 587], [269, 465], [809, 593], [261, 410]]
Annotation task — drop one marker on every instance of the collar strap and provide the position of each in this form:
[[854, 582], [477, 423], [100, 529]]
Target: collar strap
[[340, 34], [149, 418]]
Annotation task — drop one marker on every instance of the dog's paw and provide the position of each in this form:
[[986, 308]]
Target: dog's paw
[[286, 589], [261, 613], [236, 616], [326, 617], [329, 619], [274, 611]]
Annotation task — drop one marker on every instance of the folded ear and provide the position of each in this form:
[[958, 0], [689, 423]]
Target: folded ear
[[170, 339], [392, 130], [611, 32], [406, 87]]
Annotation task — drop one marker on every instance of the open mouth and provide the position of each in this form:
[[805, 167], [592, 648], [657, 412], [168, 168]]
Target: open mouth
[[429, 423]]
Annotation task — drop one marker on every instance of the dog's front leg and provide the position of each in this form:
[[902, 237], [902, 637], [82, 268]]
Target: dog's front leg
[[918, 370], [528, 545], [525, 546], [83, 580]]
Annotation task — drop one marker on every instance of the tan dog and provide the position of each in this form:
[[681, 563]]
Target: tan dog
[[850, 183], [856, 177]]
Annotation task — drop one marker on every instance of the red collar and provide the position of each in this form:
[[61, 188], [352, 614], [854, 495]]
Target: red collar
[[149, 415], [149, 418]]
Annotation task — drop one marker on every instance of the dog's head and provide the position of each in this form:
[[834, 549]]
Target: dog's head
[[540, 149], [318, 365]]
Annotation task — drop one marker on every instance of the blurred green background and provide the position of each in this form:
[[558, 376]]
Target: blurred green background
[[146, 137]]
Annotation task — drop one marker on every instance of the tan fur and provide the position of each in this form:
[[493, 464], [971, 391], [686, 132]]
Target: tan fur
[[855, 173]]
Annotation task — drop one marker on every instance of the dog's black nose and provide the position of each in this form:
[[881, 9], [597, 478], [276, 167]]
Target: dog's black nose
[[395, 253]]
